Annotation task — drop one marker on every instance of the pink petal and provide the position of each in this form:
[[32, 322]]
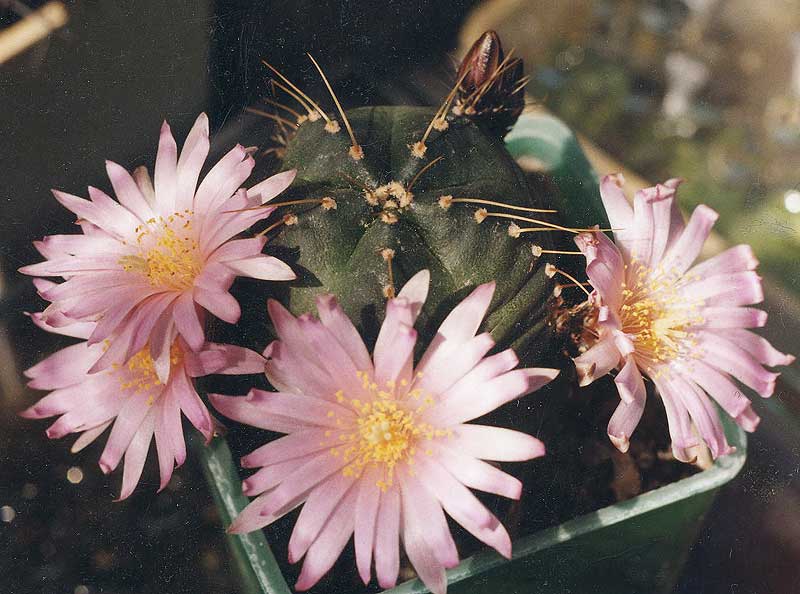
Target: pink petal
[[193, 156], [739, 258], [759, 347], [475, 473], [732, 317], [188, 322], [266, 190], [732, 290], [63, 368], [396, 365], [604, 266], [91, 392], [129, 421], [463, 321], [262, 267], [629, 382], [667, 219], [291, 371], [399, 318], [640, 242], [101, 217], [285, 448], [366, 517], [719, 386], [143, 181], [329, 353], [618, 209], [495, 443], [88, 437], [166, 173], [225, 359], [223, 179], [302, 480], [73, 329], [135, 457], [731, 359], [317, 510], [421, 554], [703, 413], [220, 303], [687, 247], [476, 401], [246, 410], [237, 249], [128, 192], [415, 291], [597, 361], [627, 416], [423, 516], [330, 543], [456, 499], [190, 403], [251, 519], [450, 362], [680, 427], [271, 476], [387, 534], [337, 322]]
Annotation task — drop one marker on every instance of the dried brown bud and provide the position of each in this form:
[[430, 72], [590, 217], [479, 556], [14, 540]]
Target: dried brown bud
[[492, 88]]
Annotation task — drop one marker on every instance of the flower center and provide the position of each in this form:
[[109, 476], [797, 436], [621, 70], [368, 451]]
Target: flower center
[[168, 252], [386, 432], [138, 375], [656, 316]]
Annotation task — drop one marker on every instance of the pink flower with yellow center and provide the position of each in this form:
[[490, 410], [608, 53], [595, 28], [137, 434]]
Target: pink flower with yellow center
[[378, 448], [147, 267], [685, 326], [130, 398]]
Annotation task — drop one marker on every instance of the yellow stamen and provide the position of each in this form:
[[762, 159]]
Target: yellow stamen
[[168, 255]]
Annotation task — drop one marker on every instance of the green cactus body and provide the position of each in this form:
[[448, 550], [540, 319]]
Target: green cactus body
[[340, 250]]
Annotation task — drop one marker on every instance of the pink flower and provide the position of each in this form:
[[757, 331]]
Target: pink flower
[[685, 327], [145, 265], [130, 397], [377, 447]]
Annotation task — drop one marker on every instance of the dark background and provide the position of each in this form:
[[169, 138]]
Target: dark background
[[100, 87]]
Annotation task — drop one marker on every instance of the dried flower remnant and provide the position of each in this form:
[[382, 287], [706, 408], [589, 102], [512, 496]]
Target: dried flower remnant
[[686, 327], [380, 448], [130, 398], [148, 266]]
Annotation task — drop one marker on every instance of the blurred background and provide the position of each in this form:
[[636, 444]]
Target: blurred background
[[708, 90]]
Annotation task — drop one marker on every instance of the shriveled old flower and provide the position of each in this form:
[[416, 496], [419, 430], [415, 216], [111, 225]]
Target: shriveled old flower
[[379, 448], [147, 266], [686, 327], [129, 398]]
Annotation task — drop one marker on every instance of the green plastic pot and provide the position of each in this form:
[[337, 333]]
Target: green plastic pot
[[634, 547]]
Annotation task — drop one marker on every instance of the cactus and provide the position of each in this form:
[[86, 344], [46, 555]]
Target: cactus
[[408, 188]]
